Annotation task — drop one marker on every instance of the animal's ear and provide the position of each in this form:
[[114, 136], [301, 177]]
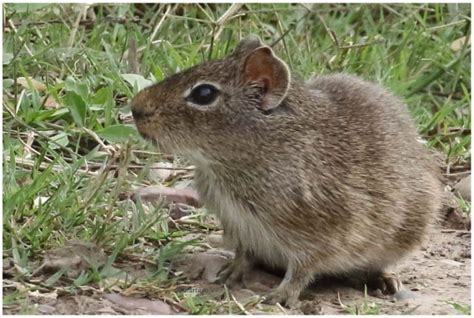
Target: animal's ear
[[248, 44], [264, 69]]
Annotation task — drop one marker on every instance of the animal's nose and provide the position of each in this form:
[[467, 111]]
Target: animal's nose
[[138, 105], [137, 112]]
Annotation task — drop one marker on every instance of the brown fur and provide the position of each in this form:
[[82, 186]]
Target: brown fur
[[333, 180]]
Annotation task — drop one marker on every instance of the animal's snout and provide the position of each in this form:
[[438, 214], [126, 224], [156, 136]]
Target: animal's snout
[[139, 104], [137, 112]]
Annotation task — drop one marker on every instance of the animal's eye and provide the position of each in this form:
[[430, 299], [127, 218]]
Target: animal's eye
[[203, 94]]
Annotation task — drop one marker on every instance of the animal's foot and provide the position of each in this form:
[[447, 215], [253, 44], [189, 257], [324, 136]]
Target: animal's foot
[[388, 283], [229, 275], [232, 273], [282, 296]]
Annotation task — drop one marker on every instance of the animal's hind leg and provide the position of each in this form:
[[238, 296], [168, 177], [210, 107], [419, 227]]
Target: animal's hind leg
[[387, 282]]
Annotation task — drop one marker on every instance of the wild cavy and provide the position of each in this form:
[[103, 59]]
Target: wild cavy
[[322, 177]]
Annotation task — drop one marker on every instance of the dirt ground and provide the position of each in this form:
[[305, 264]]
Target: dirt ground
[[436, 280], [433, 276]]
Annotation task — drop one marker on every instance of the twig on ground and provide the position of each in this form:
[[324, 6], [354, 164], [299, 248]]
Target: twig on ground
[[240, 305], [291, 27], [43, 166], [132, 57], [356, 46], [163, 18], [446, 25], [82, 13], [281, 308], [226, 17]]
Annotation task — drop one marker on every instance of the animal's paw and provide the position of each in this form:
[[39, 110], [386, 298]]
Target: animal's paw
[[281, 296], [230, 274], [389, 283]]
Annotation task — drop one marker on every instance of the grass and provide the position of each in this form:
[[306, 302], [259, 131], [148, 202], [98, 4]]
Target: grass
[[367, 307], [68, 138], [461, 309]]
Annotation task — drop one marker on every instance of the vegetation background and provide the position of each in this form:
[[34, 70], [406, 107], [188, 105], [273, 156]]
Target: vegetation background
[[70, 150]]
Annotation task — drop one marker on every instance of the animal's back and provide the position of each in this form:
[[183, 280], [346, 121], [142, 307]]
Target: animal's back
[[384, 175]]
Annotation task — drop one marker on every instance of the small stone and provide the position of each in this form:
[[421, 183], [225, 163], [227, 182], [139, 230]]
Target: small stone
[[404, 295], [161, 171], [46, 309], [215, 240]]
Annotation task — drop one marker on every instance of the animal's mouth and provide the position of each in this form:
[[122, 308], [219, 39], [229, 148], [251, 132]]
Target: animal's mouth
[[151, 126], [156, 135], [142, 124], [143, 113], [145, 121], [146, 135], [140, 114]]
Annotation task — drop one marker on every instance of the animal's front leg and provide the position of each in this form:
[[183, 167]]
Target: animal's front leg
[[233, 272], [297, 277]]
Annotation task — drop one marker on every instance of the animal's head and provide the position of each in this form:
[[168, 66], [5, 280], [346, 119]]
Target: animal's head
[[219, 102]]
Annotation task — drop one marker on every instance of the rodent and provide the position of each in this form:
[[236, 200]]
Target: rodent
[[317, 177]]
